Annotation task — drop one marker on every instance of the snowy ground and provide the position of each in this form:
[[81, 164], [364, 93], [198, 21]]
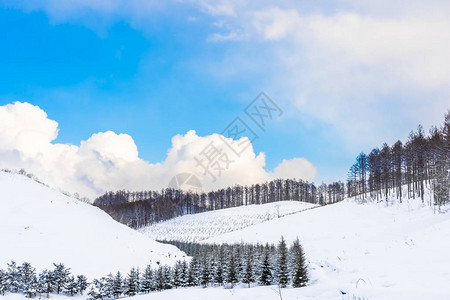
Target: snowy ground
[[42, 226], [199, 227], [370, 250]]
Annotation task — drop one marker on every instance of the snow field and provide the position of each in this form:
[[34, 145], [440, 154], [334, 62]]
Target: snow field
[[371, 250], [199, 227]]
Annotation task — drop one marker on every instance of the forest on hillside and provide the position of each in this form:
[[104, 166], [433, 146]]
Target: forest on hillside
[[137, 209], [422, 161]]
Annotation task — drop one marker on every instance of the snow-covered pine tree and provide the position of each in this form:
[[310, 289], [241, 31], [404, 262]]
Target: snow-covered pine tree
[[219, 276], [160, 279], [248, 276], [132, 283], [108, 286], [138, 281], [33, 288], [282, 264], [205, 271], [96, 290], [82, 284], [117, 285], [184, 274], [71, 286], [60, 277], [213, 269], [194, 272], [177, 279], [41, 288], [27, 277], [239, 260], [265, 276], [298, 265], [168, 278], [13, 277], [46, 282], [147, 280], [232, 277]]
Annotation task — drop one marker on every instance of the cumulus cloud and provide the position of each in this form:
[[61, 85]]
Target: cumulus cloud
[[110, 161], [295, 168]]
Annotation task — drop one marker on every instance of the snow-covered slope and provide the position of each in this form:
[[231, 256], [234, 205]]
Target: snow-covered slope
[[42, 226], [368, 250], [198, 227]]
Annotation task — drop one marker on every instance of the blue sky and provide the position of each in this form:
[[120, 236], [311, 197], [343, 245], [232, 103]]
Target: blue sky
[[158, 71]]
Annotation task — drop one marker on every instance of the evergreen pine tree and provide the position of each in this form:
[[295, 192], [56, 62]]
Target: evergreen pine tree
[[60, 276], [82, 284], [219, 276], [96, 290], [299, 272], [231, 274], [27, 277], [184, 274], [168, 278], [248, 276], [205, 272], [213, 270], [32, 288], [159, 279], [108, 286], [117, 285], [282, 267], [147, 280], [266, 277], [177, 275], [193, 273], [138, 281], [132, 283], [13, 278], [71, 286], [40, 287], [46, 282]]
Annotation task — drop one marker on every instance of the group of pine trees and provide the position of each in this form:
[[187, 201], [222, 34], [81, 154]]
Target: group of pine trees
[[423, 161], [23, 279], [137, 209], [210, 265]]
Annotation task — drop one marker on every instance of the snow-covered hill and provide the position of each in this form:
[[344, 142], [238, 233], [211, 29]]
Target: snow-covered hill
[[355, 251], [198, 227], [371, 250], [42, 226]]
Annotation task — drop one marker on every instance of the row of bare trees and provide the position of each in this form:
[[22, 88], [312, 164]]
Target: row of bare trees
[[423, 161], [137, 209]]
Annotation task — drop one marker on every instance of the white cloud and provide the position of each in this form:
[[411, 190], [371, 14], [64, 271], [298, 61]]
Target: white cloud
[[295, 168], [373, 72], [275, 23], [110, 161]]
